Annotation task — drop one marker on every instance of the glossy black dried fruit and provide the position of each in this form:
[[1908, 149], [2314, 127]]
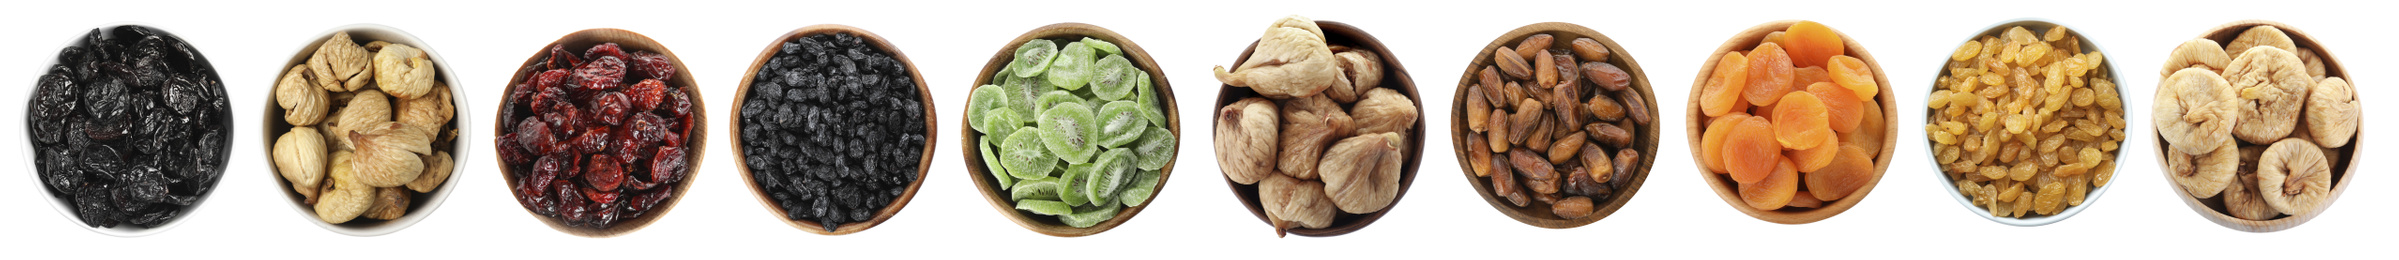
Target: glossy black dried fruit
[[129, 127], [832, 128]]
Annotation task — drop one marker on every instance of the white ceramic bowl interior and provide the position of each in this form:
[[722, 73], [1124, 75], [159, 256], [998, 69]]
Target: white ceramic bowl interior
[[66, 208], [425, 204], [2089, 199]]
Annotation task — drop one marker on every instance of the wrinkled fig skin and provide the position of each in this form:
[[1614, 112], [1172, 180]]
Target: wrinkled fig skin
[[1384, 110], [1246, 135], [2294, 177], [1291, 61], [1293, 203], [1309, 124], [2195, 111], [2197, 53], [2273, 86], [1361, 173], [2332, 113]]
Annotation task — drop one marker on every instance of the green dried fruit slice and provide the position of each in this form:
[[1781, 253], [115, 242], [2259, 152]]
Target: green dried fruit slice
[[1053, 98], [1113, 169], [1023, 93], [992, 163], [1112, 78], [1071, 185], [1002, 122], [982, 101], [1139, 191], [1034, 189], [1072, 68], [1156, 148], [1067, 129], [1119, 123], [1148, 98], [1045, 207], [1089, 216], [1025, 155], [1102, 46], [1033, 58]]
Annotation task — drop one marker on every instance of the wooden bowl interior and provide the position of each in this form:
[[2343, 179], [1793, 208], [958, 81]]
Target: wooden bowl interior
[[1694, 124], [697, 141], [977, 171], [1395, 77], [741, 151], [1537, 213], [422, 203], [2344, 164], [2107, 67]]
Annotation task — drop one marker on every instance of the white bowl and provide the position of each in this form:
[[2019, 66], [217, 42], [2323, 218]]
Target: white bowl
[[422, 205], [66, 208], [2088, 200]]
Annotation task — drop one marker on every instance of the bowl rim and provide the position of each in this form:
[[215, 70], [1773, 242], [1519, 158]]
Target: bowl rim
[[1396, 77], [2332, 68], [924, 158], [1648, 143], [33, 169], [274, 126], [1693, 118], [696, 144], [2030, 23], [976, 170]]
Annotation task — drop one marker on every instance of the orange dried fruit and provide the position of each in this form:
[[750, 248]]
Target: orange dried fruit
[[1810, 43], [1810, 75], [1775, 190], [1849, 171], [1870, 126], [1804, 200], [1724, 87], [1769, 75], [1711, 144], [1852, 73], [1750, 151], [1800, 121], [1811, 159], [1840, 104]]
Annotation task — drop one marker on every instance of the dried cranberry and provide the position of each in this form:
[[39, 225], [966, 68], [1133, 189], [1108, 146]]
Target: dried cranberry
[[560, 59], [604, 73], [547, 97], [591, 141], [604, 50], [682, 105], [610, 107], [546, 169], [669, 165], [653, 64], [535, 135], [647, 94], [605, 174]]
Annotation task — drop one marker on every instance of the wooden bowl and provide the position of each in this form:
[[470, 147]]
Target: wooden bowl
[[976, 170], [741, 151], [1537, 213], [2344, 164], [2039, 27], [696, 141], [1695, 123], [1395, 77], [421, 204]]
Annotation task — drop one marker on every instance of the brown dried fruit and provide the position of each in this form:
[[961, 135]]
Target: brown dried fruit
[[1540, 137], [1294, 203], [1601, 169], [1566, 148], [343, 199], [1245, 140], [2315, 63], [1532, 46], [1290, 61], [2196, 53], [1590, 50], [1515, 66], [2204, 175], [2332, 113], [1308, 125], [1567, 69], [1572, 207], [1478, 110], [1607, 76], [403, 71], [1503, 183], [1531, 165], [390, 203], [1605, 108], [2294, 177], [1634, 106], [1384, 110], [1545, 69], [429, 111], [1478, 154], [2241, 200], [1364, 70], [369, 107], [388, 153], [1609, 135], [300, 158], [1493, 87], [1520, 124], [2262, 36], [2273, 87], [1625, 167], [1361, 174], [1567, 110], [303, 104], [437, 170], [1500, 131], [339, 64], [2195, 111]]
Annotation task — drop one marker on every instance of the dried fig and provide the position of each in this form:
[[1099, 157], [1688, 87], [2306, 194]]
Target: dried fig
[[387, 153], [2196, 53], [437, 170], [1290, 61], [2195, 111], [2241, 199], [1364, 70], [1245, 140], [2204, 175], [390, 203], [2315, 63], [2273, 88], [1294, 203], [340, 65], [345, 198], [303, 104], [1384, 110], [429, 111], [404, 72], [2262, 36], [2294, 177], [368, 107], [300, 158], [1308, 125], [1361, 174], [2332, 113]]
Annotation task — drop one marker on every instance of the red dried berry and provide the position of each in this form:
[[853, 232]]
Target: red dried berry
[[610, 108], [647, 94], [549, 79], [604, 175], [591, 141], [652, 64], [560, 59], [604, 50], [534, 135], [669, 165], [682, 103], [604, 73]]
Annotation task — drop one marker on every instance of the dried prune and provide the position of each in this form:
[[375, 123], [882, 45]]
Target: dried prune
[[128, 127], [833, 129]]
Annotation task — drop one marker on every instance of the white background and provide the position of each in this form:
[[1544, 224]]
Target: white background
[[1675, 215]]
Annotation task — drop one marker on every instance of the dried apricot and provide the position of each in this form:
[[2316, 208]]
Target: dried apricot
[[1810, 75], [1750, 151], [1852, 73], [1725, 86], [1711, 145], [1840, 104], [1811, 43], [1804, 200], [1800, 121], [1848, 172], [1769, 75], [1871, 123], [1811, 159], [1774, 190]]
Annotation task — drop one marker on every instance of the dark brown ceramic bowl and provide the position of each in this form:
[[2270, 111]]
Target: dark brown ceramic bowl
[[976, 170], [741, 151], [1537, 213], [2344, 160], [696, 142], [1695, 125], [1394, 77]]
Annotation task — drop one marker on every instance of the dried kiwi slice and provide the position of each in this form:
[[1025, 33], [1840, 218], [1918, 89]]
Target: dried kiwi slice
[[1072, 68], [1145, 183], [1071, 185], [1002, 122], [1022, 93], [1033, 58], [1148, 98], [1112, 170], [1045, 207], [1053, 98], [1119, 123], [1067, 132], [1089, 216], [1112, 78], [1034, 189], [1156, 147], [992, 160], [1102, 46], [982, 101], [1025, 155]]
